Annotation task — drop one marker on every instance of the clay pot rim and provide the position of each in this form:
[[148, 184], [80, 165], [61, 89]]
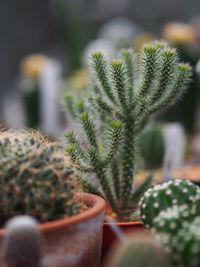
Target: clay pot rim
[[135, 223], [95, 204]]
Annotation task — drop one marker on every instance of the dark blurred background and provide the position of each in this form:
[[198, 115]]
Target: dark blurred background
[[62, 29], [65, 26]]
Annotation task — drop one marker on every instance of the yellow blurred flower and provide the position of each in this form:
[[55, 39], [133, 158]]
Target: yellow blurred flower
[[180, 33], [141, 40], [79, 79], [32, 65], [142, 175]]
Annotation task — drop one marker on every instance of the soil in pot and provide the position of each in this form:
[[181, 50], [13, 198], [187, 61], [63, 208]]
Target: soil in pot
[[75, 241]]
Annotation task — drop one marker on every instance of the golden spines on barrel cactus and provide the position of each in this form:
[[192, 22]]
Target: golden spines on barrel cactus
[[36, 178]]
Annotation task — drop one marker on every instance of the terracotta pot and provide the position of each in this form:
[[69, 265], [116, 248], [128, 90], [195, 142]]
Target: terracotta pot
[[109, 236], [75, 241]]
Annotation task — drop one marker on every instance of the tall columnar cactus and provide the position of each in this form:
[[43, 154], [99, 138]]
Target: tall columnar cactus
[[166, 195], [141, 251], [128, 92], [36, 178], [22, 245], [152, 146]]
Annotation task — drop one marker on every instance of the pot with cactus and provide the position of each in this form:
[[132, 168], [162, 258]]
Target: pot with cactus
[[37, 179], [128, 91]]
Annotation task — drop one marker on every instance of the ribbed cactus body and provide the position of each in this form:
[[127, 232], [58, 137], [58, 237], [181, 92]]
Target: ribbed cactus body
[[152, 146], [163, 196], [139, 252], [35, 178]]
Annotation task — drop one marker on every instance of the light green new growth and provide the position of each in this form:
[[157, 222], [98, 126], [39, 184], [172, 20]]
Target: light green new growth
[[129, 92]]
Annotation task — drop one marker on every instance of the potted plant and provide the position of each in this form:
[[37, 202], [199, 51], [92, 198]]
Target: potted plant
[[172, 211], [128, 92], [37, 179]]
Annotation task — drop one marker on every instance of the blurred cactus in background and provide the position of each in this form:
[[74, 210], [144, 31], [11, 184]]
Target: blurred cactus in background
[[152, 146], [138, 251], [22, 245]]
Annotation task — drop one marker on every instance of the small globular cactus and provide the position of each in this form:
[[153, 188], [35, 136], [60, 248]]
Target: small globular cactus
[[140, 251], [163, 196], [152, 146], [176, 219], [36, 178], [22, 245]]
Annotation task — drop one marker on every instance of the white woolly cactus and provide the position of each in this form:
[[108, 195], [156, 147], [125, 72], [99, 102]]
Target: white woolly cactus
[[22, 246], [184, 247], [175, 220], [163, 196]]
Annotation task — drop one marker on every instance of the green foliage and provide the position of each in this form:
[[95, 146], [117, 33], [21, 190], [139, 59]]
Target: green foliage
[[140, 251], [152, 146], [128, 91], [36, 178]]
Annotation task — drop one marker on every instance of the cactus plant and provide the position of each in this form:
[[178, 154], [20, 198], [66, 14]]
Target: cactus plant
[[36, 178], [22, 245], [175, 220], [152, 146], [140, 251], [185, 245], [127, 94], [163, 196]]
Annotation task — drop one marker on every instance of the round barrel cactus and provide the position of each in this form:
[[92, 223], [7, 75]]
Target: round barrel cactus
[[36, 178], [163, 196]]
